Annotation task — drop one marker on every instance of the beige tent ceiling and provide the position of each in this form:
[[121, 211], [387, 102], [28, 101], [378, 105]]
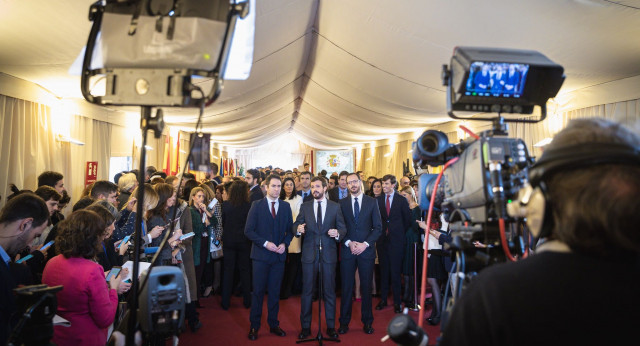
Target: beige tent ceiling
[[342, 72]]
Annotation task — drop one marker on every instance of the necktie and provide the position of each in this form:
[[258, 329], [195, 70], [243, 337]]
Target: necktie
[[356, 210], [388, 206], [319, 216], [273, 209]]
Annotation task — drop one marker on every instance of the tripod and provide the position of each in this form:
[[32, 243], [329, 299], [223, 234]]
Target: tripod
[[319, 337]]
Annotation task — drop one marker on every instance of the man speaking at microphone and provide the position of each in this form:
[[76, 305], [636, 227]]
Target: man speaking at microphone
[[321, 224]]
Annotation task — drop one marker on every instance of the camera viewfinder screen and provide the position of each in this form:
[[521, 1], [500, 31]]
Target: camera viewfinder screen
[[496, 79]]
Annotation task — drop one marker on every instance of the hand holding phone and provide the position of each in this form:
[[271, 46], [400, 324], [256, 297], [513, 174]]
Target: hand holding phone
[[24, 258], [114, 272], [125, 240], [186, 236], [45, 246]]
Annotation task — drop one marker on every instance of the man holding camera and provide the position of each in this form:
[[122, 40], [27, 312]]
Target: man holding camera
[[581, 287]]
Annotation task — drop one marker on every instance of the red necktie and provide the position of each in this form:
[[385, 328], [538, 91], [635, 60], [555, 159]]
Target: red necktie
[[388, 210], [388, 206], [273, 209]]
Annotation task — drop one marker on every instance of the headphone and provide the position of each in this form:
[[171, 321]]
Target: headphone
[[533, 201]]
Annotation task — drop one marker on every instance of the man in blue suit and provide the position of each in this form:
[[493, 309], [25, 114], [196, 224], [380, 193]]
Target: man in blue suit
[[321, 223], [268, 227], [396, 219], [362, 218]]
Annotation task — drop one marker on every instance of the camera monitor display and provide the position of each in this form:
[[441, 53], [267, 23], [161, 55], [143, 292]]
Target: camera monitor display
[[496, 79]]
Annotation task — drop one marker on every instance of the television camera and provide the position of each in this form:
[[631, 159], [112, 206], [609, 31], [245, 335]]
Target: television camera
[[484, 173]]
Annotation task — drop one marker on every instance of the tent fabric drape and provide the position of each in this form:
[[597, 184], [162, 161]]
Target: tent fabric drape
[[29, 147]]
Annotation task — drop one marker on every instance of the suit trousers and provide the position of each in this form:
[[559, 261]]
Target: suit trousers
[[365, 272], [390, 258], [236, 256], [266, 276], [309, 275]]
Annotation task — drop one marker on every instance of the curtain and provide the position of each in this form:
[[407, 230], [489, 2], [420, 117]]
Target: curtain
[[29, 147]]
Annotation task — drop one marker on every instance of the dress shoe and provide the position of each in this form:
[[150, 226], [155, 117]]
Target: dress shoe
[[433, 320], [368, 329], [397, 308], [277, 331], [381, 305], [253, 334], [343, 329], [332, 333], [304, 333], [195, 326]]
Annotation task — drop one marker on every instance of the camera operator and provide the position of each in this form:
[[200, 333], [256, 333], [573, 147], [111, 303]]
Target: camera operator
[[581, 287], [22, 219]]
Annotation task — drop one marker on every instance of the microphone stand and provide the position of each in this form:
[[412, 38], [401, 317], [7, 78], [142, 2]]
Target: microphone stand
[[319, 337]]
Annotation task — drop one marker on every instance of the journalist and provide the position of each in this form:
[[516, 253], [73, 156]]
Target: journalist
[[581, 287]]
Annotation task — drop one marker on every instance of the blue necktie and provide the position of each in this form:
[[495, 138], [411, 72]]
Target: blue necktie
[[356, 210]]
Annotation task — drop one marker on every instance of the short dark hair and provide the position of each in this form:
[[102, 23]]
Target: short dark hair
[[306, 164], [350, 174], [343, 173], [116, 177], [322, 180], [390, 177], [25, 205], [150, 170], [255, 174], [323, 172], [307, 173], [271, 177], [595, 208], [49, 178], [103, 187], [104, 213], [80, 234], [65, 197], [188, 175], [188, 186], [47, 193], [214, 167], [82, 203]]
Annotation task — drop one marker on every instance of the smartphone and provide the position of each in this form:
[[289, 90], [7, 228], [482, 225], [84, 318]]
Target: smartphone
[[24, 258], [47, 245], [186, 236], [114, 272], [125, 240]]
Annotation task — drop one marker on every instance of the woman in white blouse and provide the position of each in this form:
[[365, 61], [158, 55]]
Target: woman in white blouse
[[292, 267]]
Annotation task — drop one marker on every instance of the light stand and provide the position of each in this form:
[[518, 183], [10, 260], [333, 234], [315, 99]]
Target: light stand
[[319, 337]]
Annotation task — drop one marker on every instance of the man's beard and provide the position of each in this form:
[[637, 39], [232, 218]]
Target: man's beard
[[317, 194]]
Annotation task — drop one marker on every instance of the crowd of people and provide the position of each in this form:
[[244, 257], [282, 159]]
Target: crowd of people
[[285, 233], [231, 252]]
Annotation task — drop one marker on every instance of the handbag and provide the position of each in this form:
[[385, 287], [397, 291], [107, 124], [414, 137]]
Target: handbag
[[216, 250]]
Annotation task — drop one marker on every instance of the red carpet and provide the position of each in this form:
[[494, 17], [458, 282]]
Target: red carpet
[[231, 327]]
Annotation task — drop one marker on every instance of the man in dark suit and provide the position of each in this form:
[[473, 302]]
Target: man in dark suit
[[342, 190], [253, 179], [396, 219], [305, 184], [321, 224], [22, 219], [364, 226], [268, 227]]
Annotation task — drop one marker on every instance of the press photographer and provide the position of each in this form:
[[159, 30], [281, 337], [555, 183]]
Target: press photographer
[[22, 219], [582, 285]]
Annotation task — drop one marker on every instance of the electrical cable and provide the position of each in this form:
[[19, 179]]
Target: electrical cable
[[423, 287]]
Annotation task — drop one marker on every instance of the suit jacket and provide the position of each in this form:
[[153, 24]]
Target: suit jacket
[[309, 197], [7, 302], [262, 227], [368, 228], [334, 194], [313, 235], [234, 219], [255, 194], [397, 222]]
